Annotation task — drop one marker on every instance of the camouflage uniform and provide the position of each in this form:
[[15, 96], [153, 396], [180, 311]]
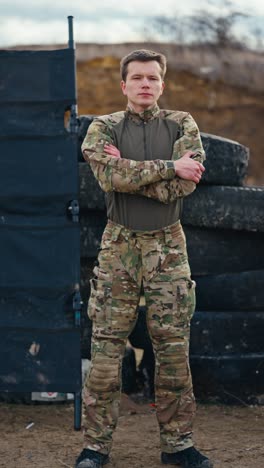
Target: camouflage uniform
[[128, 259]]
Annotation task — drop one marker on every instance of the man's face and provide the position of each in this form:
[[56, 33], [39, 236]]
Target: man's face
[[143, 85]]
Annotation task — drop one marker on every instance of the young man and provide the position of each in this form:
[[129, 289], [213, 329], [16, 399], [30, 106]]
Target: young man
[[146, 160]]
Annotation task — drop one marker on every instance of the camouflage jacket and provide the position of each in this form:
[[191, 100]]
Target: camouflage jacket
[[150, 174]]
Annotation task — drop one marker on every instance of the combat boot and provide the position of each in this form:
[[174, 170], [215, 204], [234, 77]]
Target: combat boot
[[91, 459], [188, 458]]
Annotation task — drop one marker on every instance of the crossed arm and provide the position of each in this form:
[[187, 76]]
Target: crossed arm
[[161, 180], [188, 154]]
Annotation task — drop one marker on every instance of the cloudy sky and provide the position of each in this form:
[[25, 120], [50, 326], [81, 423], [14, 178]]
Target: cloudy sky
[[103, 21]]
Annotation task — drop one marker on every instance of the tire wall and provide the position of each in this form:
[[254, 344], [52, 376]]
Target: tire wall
[[224, 226]]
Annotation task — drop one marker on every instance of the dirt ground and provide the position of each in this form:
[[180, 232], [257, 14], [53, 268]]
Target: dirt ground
[[231, 436]]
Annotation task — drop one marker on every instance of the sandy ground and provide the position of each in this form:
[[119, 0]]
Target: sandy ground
[[230, 436]]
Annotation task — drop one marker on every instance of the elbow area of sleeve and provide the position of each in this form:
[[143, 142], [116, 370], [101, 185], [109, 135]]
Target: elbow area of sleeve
[[187, 187], [85, 154], [200, 156]]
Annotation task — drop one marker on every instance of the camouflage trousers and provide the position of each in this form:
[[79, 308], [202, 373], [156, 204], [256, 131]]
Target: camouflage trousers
[[128, 259]]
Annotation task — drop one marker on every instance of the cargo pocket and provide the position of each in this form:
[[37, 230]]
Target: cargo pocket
[[185, 301], [173, 259], [99, 305]]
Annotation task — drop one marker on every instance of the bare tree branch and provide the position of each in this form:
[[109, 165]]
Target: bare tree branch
[[216, 27]]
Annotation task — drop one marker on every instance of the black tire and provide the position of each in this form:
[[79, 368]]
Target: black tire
[[230, 379], [215, 251], [92, 225], [232, 291], [223, 333], [238, 208], [226, 161], [91, 196]]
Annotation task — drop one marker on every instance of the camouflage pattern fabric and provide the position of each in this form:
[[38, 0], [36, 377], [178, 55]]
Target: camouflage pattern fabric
[[153, 178], [128, 259]]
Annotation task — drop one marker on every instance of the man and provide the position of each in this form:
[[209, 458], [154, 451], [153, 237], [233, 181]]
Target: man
[[146, 160]]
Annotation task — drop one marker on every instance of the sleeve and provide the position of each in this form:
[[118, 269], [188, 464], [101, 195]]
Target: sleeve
[[120, 174], [169, 190]]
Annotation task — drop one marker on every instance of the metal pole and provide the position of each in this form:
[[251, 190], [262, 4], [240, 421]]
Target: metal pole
[[77, 303], [74, 108], [70, 29]]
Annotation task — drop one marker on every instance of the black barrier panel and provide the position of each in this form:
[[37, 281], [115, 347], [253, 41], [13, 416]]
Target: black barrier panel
[[39, 224], [20, 120], [37, 76], [43, 257], [36, 308], [39, 168], [43, 360]]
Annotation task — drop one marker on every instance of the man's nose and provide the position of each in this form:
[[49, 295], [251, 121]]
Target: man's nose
[[145, 82]]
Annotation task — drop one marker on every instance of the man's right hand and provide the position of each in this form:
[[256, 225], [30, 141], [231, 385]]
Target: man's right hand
[[112, 150], [189, 169]]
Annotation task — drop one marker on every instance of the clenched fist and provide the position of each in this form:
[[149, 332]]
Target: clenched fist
[[189, 169]]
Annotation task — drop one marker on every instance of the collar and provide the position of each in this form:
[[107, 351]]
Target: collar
[[144, 116]]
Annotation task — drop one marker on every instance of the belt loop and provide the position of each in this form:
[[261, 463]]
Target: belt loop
[[167, 235], [115, 232]]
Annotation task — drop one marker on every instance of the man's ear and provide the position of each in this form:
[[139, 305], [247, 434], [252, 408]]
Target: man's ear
[[163, 86], [123, 87]]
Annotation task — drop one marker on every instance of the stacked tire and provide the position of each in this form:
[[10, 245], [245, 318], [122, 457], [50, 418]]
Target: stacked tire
[[224, 227], [224, 224]]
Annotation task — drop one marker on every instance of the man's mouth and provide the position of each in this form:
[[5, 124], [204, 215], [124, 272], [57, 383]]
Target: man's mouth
[[145, 94]]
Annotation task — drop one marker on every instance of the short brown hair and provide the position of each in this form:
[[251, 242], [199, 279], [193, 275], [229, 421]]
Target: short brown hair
[[143, 55]]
